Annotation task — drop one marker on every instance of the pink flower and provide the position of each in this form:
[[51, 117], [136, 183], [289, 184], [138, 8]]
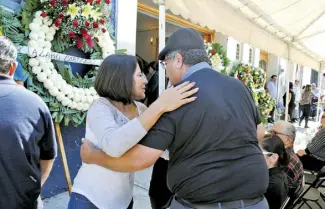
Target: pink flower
[[57, 23], [53, 3], [64, 3], [102, 22], [89, 42], [107, 1], [95, 25], [61, 16], [103, 30], [71, 34], [79, 43], [43, 14], [75, 23], [84, 33], [87, 23]]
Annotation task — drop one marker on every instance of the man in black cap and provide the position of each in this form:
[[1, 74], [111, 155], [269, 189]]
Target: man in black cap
[[215, 160]]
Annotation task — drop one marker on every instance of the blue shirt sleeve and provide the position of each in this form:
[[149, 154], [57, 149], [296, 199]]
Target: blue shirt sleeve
[[20, 74]]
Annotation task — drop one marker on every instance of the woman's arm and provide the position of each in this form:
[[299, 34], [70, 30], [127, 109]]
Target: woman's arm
[[115, 140]]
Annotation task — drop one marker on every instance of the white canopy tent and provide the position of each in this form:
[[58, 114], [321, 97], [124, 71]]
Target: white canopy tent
[[292, 29]]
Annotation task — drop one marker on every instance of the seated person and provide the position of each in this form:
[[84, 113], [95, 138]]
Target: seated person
[[294, 170], [313, 157], [276, 157]]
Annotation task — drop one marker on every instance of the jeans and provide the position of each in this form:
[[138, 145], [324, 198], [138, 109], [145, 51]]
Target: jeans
[[78, 201], [261, 205]]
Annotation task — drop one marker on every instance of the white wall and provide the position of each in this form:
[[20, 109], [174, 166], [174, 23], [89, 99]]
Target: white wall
[[144, 48], [306, 76], [272, 67], [256, 57], [126, 25], [221, 39], [231, 48]]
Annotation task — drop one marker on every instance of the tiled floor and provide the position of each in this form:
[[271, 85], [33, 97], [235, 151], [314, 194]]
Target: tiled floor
[[141, 200]]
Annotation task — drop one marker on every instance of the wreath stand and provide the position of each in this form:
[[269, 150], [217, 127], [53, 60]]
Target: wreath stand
[[63, 157]]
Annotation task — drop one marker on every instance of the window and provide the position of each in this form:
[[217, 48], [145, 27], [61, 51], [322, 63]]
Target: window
[[237, 55], [250, 56]]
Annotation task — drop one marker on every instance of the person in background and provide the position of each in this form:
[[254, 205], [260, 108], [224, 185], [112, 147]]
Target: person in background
[[272, 90], [313, 157], [276, 157], [28, 144], [214, 158], [305, 103], [151, 72], [291, 101], [314, 89], [297, 91], [294, 170], [20, 76]]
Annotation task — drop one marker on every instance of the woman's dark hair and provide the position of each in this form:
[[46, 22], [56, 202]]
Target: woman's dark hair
[[115, 78], [275, 144], [291, 85], [307, 88], [153, 65]]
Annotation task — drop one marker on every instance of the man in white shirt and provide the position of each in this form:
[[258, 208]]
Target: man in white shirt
[[314, 89], [297, 91], [272, 89]]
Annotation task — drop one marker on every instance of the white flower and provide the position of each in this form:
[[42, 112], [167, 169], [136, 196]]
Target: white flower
[[65, 101], [75, 90], [41, 77], [52, 30], [60, 96], [80, 106], [47, 45], [33, 37], [69, 89], [54, 91], [93, 91], [41, 35], [48, 84], [70, 95], [50, 65], [34, 26], [87, 92], [90, 99], [45, 29], [74, 105], [38, 14], [36, 70], [47, 21], [33, 62], [49, 37], [83, 99], [85, 107], [37, 21], [96, 97], [76, 98]]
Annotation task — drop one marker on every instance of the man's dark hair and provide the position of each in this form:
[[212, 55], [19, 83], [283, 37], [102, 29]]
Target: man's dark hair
[[273, 76], [153, 65], [115, 79], [291, 85], [8, 54]]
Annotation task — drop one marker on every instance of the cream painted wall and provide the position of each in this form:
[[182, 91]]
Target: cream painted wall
[[144, 48], [221, 39]]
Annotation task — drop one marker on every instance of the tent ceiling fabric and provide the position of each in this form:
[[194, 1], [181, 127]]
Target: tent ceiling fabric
[[267, 24]]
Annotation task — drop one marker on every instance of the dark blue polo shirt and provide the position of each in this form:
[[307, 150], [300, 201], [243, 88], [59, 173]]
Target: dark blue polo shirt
[[214, 151], [26, 137]]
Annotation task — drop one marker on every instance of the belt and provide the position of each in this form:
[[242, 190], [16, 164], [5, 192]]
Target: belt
[[225, 205]]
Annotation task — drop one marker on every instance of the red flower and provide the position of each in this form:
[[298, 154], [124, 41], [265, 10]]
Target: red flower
[[75, 23], [43, 14], [64, 3], [53, 3], [98, 1], [238, 76], [89, 1], [87, 23], [89, 42], [71, 34], [57, 23], [213, 52], [96, 39], [102, 22], [107, 1], [95, 25], [79, 43], [103, 30], [61, 16], [84, 33]]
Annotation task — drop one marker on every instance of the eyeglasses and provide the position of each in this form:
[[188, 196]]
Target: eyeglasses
[[163, 64], [277, 133]]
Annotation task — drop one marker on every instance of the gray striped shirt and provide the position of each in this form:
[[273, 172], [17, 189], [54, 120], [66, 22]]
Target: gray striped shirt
[[316, 147]]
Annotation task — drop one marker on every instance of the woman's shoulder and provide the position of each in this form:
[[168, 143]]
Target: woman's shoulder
[[101, 105]]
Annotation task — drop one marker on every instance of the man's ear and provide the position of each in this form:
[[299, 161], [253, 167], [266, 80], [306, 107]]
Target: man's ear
[[179, 59], [12, 68]]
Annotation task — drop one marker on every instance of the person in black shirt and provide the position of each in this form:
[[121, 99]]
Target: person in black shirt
[[291, 101], [215, 159], [275, 156]]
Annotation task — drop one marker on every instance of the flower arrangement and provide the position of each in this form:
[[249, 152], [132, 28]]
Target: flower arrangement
[[254, 79], [217, 56], [56, 25]]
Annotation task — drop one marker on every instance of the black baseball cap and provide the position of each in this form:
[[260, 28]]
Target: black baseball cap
[[183, 39]]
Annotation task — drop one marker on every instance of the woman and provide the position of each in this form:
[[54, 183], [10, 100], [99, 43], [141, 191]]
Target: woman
[[313, 157], [305, 101], [276, 157], [115, 123], [151, 72]]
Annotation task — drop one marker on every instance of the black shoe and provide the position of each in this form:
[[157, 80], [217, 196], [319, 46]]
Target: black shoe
[[306, 126]]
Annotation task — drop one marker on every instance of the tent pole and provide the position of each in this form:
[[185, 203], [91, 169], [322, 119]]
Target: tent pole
[[287, 85], [161, 43], [319, 86]]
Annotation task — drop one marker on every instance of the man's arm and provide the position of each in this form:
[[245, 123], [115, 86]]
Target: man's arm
[[137, 158], [141, 156], [260, 132], [46, 167]]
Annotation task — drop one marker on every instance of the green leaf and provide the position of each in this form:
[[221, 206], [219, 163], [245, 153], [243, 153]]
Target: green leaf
[[121, 51], [54, 115], [59, 118], [75, 119], [66, 121], [54, 105]]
